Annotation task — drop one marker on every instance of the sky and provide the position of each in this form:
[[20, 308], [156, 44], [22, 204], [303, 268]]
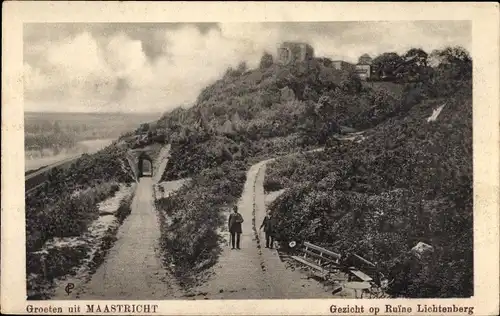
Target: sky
[[156, 67]]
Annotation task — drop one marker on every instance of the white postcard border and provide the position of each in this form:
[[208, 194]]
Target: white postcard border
[[485, 26]]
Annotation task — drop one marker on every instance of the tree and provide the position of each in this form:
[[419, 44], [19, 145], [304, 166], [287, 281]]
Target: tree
[[327, 62], [456, 54], [329, 77], [365, 59], [144, 128], [415, 64], [310, 94], [351, 83], [46, 126], [57, 127], [386, 64], [451, 71], [242, 67], [266, 61], [418, 56], [456, 62]]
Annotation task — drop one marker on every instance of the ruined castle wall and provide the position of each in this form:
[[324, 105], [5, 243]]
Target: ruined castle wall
[[294, 52]]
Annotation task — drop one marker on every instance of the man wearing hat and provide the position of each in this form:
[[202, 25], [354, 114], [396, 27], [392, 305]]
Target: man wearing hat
[[235, 220], [269, 224]]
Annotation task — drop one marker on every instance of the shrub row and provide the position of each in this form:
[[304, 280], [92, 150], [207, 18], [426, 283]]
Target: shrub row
[[68, 216], [55, 210], [125, 208], [61, 261], [191, 217]]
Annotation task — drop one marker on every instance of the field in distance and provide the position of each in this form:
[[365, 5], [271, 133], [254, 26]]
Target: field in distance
[[50, 136]]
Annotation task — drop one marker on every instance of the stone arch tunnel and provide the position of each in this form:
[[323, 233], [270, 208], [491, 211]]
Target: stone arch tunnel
[[145, 165], [141, 163]]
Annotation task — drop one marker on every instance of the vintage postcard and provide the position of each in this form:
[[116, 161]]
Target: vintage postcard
[[250, 158]]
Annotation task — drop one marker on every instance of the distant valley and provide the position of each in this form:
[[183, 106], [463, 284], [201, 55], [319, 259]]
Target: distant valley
[[52, 137]]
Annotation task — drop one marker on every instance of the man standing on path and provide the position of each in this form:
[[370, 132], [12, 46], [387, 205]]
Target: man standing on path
[[269, 224], [235, 220]]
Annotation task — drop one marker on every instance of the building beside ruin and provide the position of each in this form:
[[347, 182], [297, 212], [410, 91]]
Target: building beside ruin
[[364, 67], [363, 71], [342, 65], [291, 52]]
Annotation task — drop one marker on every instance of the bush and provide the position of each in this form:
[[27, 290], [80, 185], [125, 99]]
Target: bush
[[45, 266], [193, 156], [69, 215], [272, 184], [266, 61], [55, 263], [191, 217], [125, 208]]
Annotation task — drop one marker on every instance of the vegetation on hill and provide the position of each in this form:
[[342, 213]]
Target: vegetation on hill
[[234, 117], [408, 180], [65, 206], [56, 141], [191, 217], [244, 108], [66, 203]]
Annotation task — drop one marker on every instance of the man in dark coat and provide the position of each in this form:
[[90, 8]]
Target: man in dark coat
[[269, 224], [235, 220]]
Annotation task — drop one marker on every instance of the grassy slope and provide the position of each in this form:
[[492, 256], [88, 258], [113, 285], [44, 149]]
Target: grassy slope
[[417, 173], [240, 119], [53, 211], [244, 113], [65, 206], [409, 181], [189, 235]]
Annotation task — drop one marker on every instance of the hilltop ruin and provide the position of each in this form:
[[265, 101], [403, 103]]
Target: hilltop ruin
[[291, 52]]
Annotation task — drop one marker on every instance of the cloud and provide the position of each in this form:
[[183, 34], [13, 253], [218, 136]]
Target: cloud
[[157, 67]]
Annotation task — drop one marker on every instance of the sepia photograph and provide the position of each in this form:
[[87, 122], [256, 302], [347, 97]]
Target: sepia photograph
[[249, 160], [226, 161]]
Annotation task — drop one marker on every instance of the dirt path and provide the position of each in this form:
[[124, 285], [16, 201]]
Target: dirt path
[[254, 272], [133, 269]]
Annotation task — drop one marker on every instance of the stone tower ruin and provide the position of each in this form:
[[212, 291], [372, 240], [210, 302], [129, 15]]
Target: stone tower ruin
[[291, 52]]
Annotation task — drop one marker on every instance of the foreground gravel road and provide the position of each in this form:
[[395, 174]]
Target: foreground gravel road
[[133, 269]]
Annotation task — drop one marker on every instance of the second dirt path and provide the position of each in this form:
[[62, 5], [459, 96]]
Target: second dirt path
[[254, 272]]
